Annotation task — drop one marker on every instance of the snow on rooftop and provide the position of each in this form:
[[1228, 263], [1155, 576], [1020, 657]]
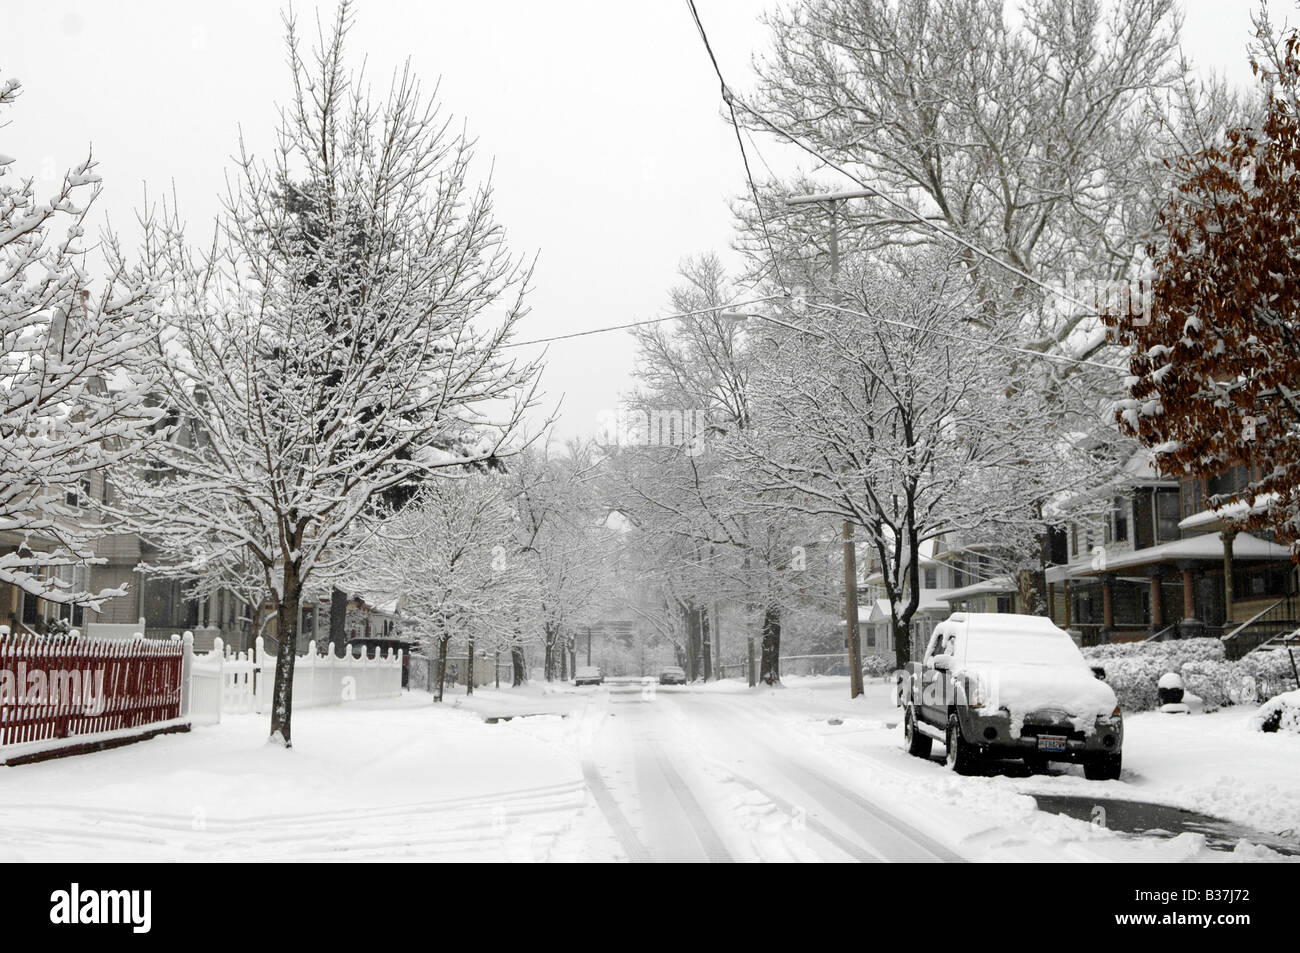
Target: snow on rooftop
[[1212, 517], [996, 584]]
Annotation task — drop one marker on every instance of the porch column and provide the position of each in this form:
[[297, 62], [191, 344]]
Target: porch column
[[1157, 608], [1189, 594], [1107, 604], [1068, 606], [1227, 536], [1051, 601]]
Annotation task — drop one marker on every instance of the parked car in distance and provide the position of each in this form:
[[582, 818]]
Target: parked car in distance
[[671, 675], [588, 675], [996, 686]]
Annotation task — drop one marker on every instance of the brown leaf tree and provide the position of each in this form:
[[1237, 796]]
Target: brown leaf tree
[[1216, 368]]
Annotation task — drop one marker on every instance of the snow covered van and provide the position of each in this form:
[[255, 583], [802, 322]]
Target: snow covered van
[[996, 685]]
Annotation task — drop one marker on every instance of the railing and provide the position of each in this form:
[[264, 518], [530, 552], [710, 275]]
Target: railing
[[1168, 632], [222, 682], [1264, 626]]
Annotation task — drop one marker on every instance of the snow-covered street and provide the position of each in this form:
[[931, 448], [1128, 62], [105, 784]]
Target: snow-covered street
[[627, 772]]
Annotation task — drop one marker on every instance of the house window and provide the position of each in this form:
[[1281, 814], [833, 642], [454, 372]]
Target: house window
[[931, 579], [1167, 515], [1121, 520], [1005, 604]]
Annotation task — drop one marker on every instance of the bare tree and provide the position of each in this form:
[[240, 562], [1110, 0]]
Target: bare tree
[[875, 417], [72, 385], [320, 367]]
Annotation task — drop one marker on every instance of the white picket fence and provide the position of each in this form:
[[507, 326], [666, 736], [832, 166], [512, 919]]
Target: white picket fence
[[224, 682]]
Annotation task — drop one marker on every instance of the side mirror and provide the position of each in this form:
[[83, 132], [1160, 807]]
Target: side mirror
[[941, 663], [1098, 671]]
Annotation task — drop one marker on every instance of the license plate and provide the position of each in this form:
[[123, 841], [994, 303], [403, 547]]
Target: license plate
[[1051, 743]]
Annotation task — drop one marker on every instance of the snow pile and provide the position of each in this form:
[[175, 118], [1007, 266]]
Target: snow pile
[[1279, 714]]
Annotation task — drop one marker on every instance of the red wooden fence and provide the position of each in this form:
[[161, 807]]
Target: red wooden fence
[[84, 686]]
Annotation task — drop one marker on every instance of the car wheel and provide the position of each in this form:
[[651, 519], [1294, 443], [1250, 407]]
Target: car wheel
[[961, 756], [917, 744], [1104, 767]]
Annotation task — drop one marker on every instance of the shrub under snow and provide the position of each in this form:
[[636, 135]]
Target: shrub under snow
[[1133, 670], [1281, 713]]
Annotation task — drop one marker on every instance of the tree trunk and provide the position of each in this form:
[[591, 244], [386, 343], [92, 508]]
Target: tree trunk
[[706, 644], [564, 662], [753, 677], [518, 665], [902, 642], [692, 643], [548, 658], [770, 662], [469, 668], [287, 609], [338, 620], [442, 668], [719, 670]]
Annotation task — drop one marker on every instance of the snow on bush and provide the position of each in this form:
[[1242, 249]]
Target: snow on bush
[[1177, 651], [1134, 670], [1271, 672], [1215, 682], [1134, 679], [1281, 713], [876, 666]]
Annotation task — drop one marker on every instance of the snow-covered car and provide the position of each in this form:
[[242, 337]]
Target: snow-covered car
[[588, 675], [996, 686], [672, 675]]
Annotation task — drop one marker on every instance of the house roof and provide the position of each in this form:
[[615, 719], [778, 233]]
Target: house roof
[[932, 600], [996, 584], [1207, 546], [1213, 519]]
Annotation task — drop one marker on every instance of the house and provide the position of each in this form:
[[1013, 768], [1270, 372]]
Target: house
[[875, 626], [1166, 565]]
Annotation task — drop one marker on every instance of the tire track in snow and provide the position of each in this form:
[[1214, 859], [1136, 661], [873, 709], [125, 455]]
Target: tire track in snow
[[886, 836], [600, 792], [709, 840]]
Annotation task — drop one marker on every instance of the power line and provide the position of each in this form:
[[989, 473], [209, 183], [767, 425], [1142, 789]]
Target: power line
[[975, 341], [729, 98], [909, 211], [638, 324]]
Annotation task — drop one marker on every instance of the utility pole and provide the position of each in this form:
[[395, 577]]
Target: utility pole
[[588, 645], [852, 641]]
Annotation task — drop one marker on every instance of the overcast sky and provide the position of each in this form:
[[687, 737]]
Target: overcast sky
[[611, 160]]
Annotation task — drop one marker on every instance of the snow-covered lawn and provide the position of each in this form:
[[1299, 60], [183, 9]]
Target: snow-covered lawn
[[799, 772], [399, 780]]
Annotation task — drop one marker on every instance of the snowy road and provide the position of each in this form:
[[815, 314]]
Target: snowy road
[[661, 754], [705, 773]]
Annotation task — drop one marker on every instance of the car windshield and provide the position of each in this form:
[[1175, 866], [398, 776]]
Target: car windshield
[[1022, 648]]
